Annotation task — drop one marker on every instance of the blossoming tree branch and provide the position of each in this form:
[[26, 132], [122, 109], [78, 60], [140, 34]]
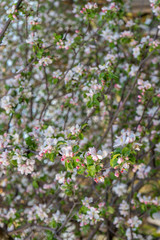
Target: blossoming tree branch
[[79, 120]]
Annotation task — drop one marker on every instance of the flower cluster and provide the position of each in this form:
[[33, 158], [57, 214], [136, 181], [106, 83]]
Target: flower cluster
[[125, 138], [155, 7]]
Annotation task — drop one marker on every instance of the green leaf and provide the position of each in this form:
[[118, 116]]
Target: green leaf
[[154, 99], [91, 170], [107, 181], [110, 210], [29, 141], [118, 150], [40, 53], [112, 75], [83, 209], [89, 104], [51, 156], [112, 176], [60, 143], [14, 162], [153, 210], [113, 161], [126, 151], [35, 184], [89, 160], [69, 165], [75, 148], [81, 136], [55, 80], [53, 224], [95, 99]]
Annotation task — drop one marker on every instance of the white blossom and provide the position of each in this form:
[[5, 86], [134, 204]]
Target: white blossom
[[124, 208], [95, 155], [134, 222], [125, 138], [11, 10], [120, 189], [136, 51], [45, 61], [7, 103]]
